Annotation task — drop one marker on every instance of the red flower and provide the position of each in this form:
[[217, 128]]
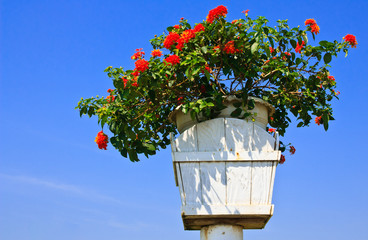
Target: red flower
[[171, 39], [271, 118], [172, 59], [271, 130], [125, 81], [110, 90], [187, 35], [315, 28], [102, 140], [351, 39], [299, 47], [141, 65], [135, 84], [318, 120], [216, 13], [271, 50], [266, 62], [177, 26], [199, 28], [282, 159], [292, 150], [138, 55], [331, 78], [230, 48], [156, 53], [110, 98], [135, 73], [337, 93], [245, 12], [310, 22], [287, 54], [234, 21], [180, 44], [180, 100]]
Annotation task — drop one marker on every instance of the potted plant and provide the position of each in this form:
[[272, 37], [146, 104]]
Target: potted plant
[[220, 72]]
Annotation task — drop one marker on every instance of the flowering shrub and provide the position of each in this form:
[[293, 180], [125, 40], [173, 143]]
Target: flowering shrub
[[195, 66]]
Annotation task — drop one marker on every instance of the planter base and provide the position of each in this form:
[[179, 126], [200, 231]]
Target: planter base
[[246, 221]]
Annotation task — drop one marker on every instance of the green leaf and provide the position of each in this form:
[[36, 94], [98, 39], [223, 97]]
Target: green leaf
[[236, 112], [204, 49], [305, 38], [293, 43], [327, 58], [325, 121], [299, 124], [254, 47], [149, 146]]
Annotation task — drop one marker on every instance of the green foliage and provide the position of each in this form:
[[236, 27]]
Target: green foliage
[[244, 58]]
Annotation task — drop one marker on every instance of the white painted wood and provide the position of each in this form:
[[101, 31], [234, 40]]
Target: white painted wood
[[226, 167], [274, 164], [222, 232], [211, 135], [179, 180], [262, 141], [213, 177], [227, 209], [238, 182], [261, 178], [192, 188], [238, 137], [225, 156], [187, 141]]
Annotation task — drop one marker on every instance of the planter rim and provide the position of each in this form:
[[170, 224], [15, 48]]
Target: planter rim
[[228, 99]]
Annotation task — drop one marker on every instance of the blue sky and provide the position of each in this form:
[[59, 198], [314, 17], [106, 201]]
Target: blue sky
[[56, 184]]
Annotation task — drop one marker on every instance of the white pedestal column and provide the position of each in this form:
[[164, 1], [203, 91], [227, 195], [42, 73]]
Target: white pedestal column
[[222, 232]]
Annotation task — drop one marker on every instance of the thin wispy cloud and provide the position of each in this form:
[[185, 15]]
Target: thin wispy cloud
[[61, 187]]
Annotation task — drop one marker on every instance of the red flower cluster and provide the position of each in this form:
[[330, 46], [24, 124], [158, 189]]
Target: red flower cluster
[[318, 120], [101, 140], [110, 98], [245, 12], [282, 159], [299, 47], [351, 39], [199, 28], [110, 90], [313, 25], [125, 81], [141, 65], [271, 50], [337, 93], [292, 150], [156, 53], [172, 59], [287, 54], [271, 130], [171, 39], [216, 13], [176, 26], [230, 48], [332, 78], [180, 100], [138, 55]]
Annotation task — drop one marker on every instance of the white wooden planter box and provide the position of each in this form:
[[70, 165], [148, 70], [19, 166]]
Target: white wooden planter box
[[225, 170]]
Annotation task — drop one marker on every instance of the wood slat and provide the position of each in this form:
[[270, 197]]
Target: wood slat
[[211, 135], [213, 180], [238, 183], [226, 156]]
